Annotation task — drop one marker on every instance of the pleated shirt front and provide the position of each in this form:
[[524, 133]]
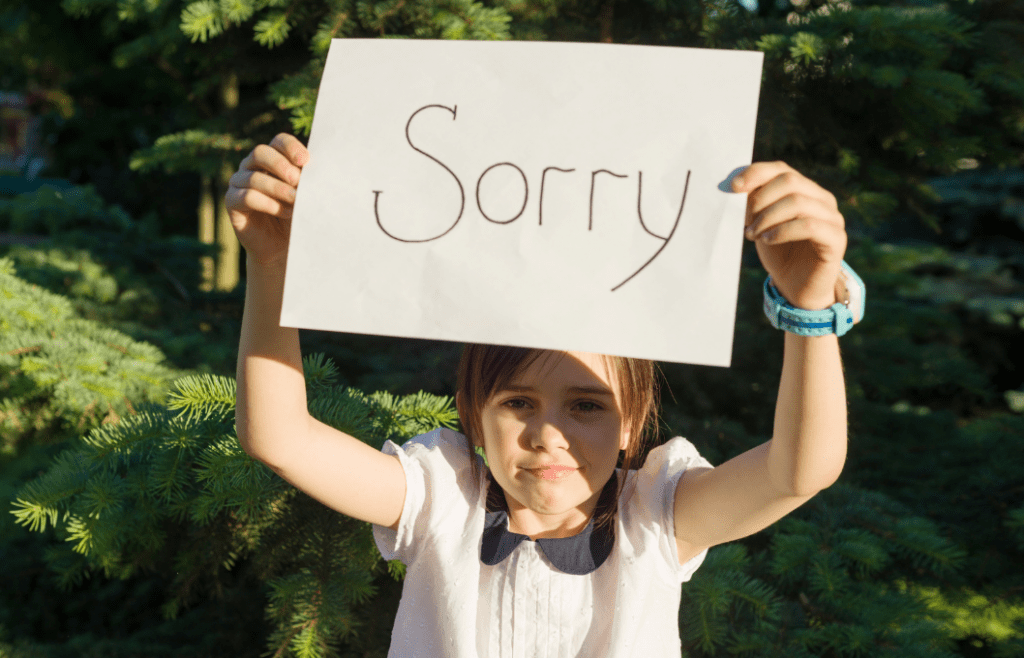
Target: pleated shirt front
[[454, 605]]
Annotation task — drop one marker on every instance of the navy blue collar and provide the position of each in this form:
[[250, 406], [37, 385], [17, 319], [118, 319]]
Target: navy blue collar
[[578, 555]]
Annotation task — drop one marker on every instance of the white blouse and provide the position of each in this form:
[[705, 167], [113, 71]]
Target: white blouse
[[455, 605]]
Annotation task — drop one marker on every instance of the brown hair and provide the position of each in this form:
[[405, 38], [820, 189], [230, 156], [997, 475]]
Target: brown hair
[[486, 369]]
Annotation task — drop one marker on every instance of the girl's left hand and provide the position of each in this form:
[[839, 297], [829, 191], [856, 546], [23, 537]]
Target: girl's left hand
[[798, 230]]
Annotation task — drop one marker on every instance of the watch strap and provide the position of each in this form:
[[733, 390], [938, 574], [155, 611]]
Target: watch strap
[[837, 319]]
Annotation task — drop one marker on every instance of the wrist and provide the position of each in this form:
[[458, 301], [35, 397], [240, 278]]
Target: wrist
[[806, 300], [815, 303], [843, 292], [256, 266], [817, 313]]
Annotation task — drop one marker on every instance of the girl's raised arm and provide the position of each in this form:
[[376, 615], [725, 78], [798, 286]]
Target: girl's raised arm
[[271, 415], [801, 239]]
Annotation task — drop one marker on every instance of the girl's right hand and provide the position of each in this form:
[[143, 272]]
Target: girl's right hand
[[260, 197]]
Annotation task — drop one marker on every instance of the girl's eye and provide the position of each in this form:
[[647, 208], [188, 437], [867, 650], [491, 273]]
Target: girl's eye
[[587, 405], [515, 403]]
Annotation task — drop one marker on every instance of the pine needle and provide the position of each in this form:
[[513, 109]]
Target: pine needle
[[203, 397]]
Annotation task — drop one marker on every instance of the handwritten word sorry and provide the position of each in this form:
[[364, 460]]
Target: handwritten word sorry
[[526, 195]]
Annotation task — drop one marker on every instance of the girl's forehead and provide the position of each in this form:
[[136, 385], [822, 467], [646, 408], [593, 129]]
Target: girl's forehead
[[580, 369]]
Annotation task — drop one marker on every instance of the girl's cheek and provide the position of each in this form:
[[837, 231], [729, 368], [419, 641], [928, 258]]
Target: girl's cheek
[[507, 426]]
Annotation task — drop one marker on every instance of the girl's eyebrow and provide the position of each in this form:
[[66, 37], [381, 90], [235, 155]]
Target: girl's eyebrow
[[591, 390], [572, 390]]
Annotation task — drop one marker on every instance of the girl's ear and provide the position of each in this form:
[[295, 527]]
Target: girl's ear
[[624, 439]]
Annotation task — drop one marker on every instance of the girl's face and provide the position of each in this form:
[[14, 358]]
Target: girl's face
[[565, 410]]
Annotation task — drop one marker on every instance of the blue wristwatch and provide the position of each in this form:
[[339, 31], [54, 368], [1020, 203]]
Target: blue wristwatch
[[836, 319]]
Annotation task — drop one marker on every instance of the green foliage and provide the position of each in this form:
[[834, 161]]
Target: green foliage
[[872, 99], [272, 30], [99, 98], [52, 211], [169, 489], [465, 19], [201, 20], [1015, 524], [192, 150], [298, 92], [445, 19], [969, 615], [827, 585], [206, 147], [61, 375], [117, 271], [875, 100], [79, 219], [982, 202], [917, 551], [203, 396]]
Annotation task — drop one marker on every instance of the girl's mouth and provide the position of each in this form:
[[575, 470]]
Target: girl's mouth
[[553, 472]]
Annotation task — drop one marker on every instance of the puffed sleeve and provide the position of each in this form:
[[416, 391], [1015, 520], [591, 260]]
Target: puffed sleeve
[[653, 502], [439, 492]]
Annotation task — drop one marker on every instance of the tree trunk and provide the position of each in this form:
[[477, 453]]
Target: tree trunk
[[227, 262], [227, 259], [207, 232], [606, 18]]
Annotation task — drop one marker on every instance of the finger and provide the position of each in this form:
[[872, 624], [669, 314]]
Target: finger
[[786, 184], [758, 174], [247, 200], [267, 158], [292, 149], [265, 183], [829, 240], [791, 207]]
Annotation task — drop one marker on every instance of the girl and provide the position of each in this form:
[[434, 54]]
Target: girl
[[544, 552]]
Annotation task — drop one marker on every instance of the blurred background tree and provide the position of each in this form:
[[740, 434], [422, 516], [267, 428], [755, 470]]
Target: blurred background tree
[[911, 112]]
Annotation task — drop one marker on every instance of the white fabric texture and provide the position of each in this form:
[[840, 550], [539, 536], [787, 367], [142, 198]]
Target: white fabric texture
[[454, 605]]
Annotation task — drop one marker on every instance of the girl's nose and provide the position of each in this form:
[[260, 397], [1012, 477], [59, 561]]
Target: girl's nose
[[548, 434]]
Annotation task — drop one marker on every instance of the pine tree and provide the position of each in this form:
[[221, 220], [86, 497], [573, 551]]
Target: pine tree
[[169, 488], [214, 148], [120, 272], [875, 100], [61, 375], [930, 488], [825, 585]]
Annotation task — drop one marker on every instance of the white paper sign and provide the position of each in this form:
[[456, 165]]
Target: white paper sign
[[551, 195]]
